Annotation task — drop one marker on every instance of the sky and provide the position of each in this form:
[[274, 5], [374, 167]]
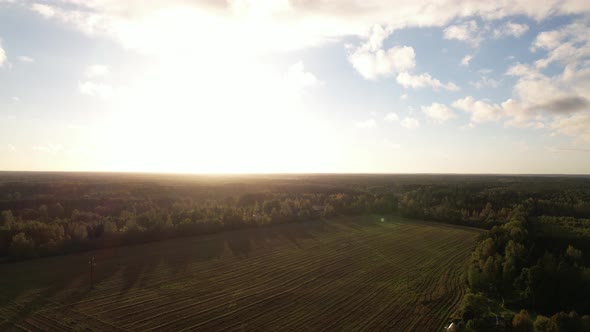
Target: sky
[[293, 86]]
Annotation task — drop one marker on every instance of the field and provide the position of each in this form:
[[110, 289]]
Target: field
[[363, 273]]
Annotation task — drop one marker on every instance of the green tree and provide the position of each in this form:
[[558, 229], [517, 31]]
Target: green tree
[[7, 220], [575, 255], [522, 322], [329, 211], [21, 246], [544, 324]]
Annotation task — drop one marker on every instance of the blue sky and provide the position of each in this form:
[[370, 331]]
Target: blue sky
[[295, 86]]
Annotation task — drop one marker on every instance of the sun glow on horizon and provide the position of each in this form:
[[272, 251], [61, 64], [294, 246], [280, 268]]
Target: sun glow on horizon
[[218, 118], [243, 86]]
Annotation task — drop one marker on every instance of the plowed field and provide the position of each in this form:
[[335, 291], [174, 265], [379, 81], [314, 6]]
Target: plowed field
[[350, 274]]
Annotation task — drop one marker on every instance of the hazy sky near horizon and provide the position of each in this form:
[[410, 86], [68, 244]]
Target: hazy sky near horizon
[[295, 86]]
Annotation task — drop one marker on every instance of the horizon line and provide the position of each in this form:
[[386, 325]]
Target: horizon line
[[289, 173]]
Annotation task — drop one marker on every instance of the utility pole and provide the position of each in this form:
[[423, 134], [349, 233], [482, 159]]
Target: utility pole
[[92, 263]]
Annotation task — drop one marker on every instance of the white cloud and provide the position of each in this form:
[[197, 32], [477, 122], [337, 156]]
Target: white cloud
[[485, 82], [480, 111], [410, 123], [519, 114], [2, 56], [423, 80], [546, 40], [467, 32], [8, 147], [372, 61], [279, 24], [298, 78], [466, 59], [569, 45], [96, 89], [15, 99], [577, 125], [510, 29], [403, 96], [25, 59], [49, 148], [44, 10], [520, 69], [391, 117], [470, 125], [256, 27], [539, 101], [367, 124], [438, 112], [96, 70], [575, 32]]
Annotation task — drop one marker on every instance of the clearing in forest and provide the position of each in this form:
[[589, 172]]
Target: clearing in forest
[[364, 273]]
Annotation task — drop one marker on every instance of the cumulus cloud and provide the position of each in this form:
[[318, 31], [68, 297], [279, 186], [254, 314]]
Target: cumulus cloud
[[280, 24], [467, 32], [96, 89], [565, 105], [538, 100], [367, 124], [559, 94], [520, 69], [485, 82], [568, 46], [480, 110], [573, 32], [391, 117], [372, 61], [577, 125], [49, 148], [8, 147], [466, 59], [96, 70], [423, 80], [25, 59], [44, 10], [438, 112], [410, 123], [269, 26], [2, 56], [299, 78], [510, 29], [546, 40]]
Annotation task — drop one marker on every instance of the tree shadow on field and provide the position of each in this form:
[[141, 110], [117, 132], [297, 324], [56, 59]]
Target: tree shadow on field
[[240, 242], [29, 286], [65, 280]]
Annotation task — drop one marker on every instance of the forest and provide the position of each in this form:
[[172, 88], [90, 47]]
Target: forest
[[527, 273]]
